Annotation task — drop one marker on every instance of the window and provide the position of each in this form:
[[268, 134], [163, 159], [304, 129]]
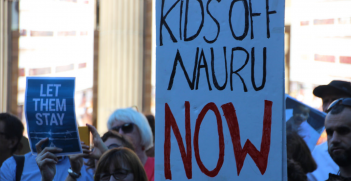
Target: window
[[39, 71], [304, 23], [64, 68], [324, 58], [66, 33], [21, 72], [82, 65], [323, 21], [41, 33], [345, 59], [23, 32], [344, 20]]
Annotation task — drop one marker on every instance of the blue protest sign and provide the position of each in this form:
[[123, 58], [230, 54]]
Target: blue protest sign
[[50, 113]]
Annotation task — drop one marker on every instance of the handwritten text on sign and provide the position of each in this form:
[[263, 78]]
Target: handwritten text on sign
[[226, 54], [200, 59]]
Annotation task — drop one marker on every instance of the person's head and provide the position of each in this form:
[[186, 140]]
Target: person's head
[[300, 114], [133, 125], [112, 139], [338, 129], [298, 151], [11, 132], [120, 164], [334, 90]]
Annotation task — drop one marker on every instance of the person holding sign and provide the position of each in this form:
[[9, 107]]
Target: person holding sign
[[133, 125], [52, 132], [44, 166]]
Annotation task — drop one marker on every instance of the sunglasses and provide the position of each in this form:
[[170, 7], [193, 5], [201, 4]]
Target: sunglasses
[[119, 175], [126, 128], [342, 101]]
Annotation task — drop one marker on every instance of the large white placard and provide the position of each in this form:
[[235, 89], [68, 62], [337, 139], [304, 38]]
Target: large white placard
[[219, 90]]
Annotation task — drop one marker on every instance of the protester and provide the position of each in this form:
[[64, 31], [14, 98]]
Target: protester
[[44, 166], [300, 160], [11, 133], [338, 128], [334, 90], [112, 139], [135, 127], [120, 164], [328, 93]]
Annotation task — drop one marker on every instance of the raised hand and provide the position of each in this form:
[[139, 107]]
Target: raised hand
[[99, 146], [47, 160]]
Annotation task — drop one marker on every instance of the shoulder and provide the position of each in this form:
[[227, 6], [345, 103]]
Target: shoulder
[[9, 161], [8, 169]]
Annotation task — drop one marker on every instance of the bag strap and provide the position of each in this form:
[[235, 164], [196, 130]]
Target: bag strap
[[19, 166]]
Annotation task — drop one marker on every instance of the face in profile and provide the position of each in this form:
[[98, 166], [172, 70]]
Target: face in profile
[[300, 114]]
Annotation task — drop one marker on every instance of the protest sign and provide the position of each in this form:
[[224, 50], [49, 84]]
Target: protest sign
[[305, 120], [220, 90], [49, 110]]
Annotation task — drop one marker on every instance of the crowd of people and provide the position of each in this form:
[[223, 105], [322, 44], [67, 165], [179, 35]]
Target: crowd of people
[[126, 150], [330, 160]]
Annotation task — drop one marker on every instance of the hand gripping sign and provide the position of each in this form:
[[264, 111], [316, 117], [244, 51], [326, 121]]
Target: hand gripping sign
[[220, 90], [50, 113]]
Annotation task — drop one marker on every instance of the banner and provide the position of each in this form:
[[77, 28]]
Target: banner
[[49, 109], [220, 90]]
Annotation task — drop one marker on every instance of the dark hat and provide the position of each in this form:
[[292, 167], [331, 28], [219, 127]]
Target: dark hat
[[335, 85]]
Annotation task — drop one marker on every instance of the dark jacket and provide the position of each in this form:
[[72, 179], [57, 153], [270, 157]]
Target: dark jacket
[[333, 177]]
